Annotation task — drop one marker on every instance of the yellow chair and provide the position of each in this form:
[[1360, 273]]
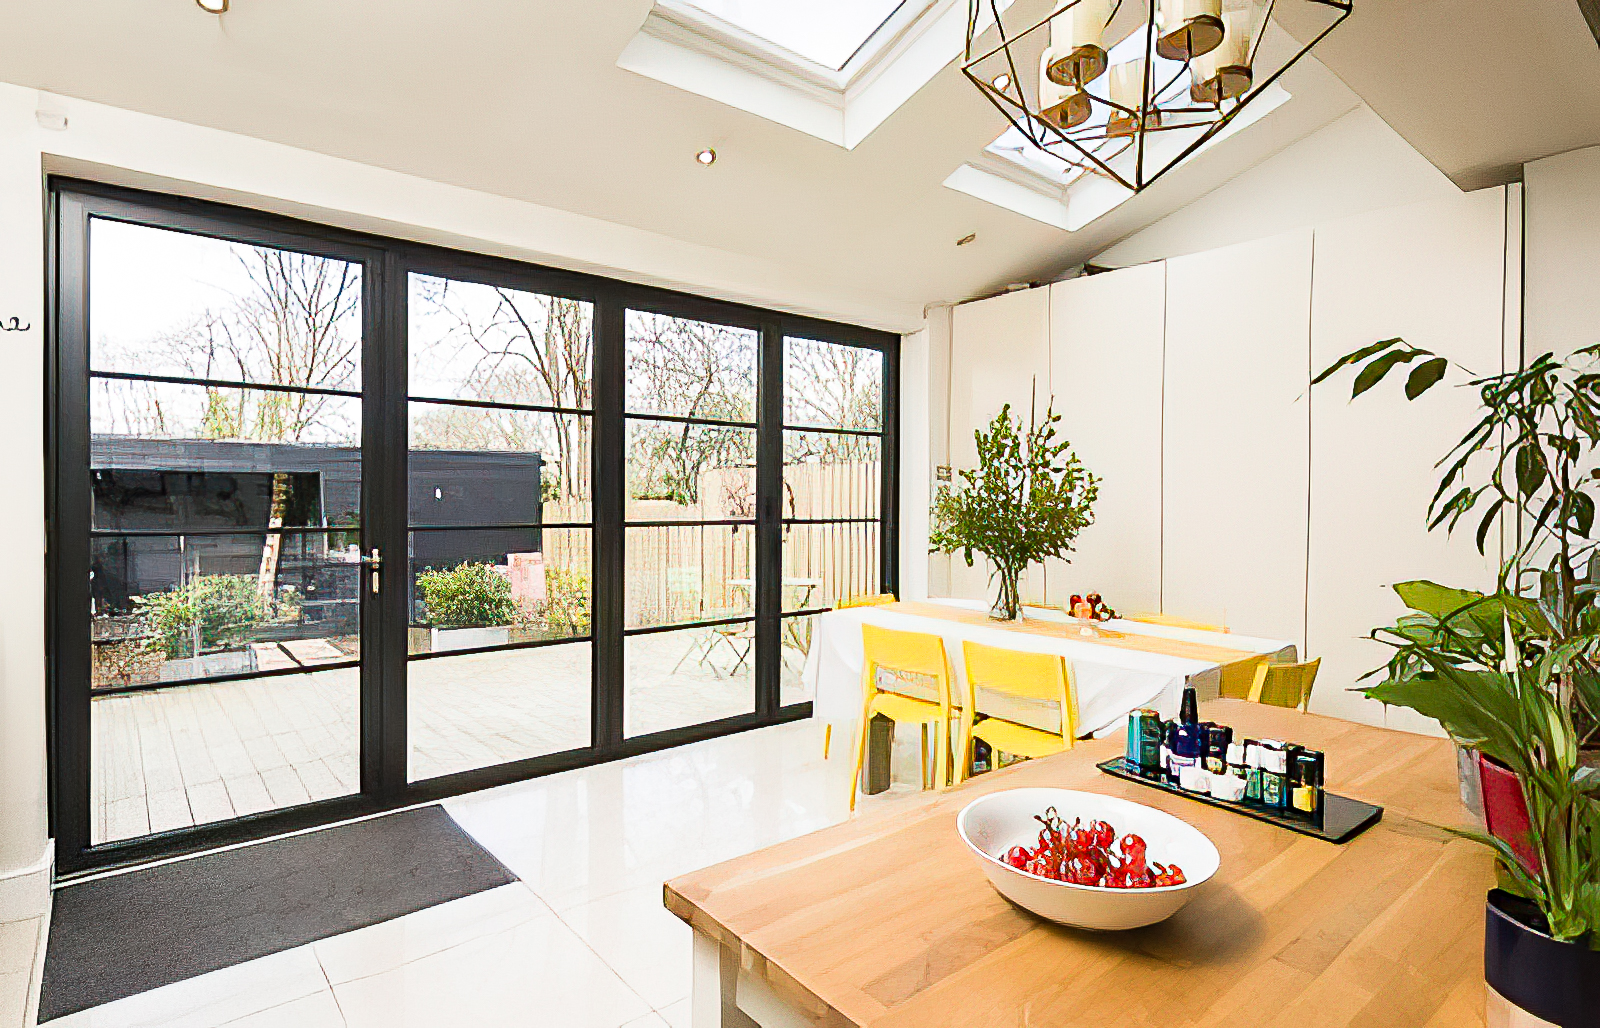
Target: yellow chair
[[1284, 685], [876, 600], [1045, 677], [1176, 622], [904, 653]]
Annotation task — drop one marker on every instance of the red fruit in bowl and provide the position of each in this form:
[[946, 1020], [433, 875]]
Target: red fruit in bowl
[[1017, 856], [1133, 848], [1103, 834], [1082, 872]]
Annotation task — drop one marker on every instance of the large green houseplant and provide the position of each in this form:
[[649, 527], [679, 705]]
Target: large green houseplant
[[1515, 674], [1026, 501]]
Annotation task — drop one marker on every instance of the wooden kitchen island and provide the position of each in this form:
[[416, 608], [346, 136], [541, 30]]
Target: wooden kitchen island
[[886, 920]]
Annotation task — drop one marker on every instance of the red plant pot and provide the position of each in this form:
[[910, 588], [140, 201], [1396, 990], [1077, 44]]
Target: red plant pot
[[1505, 810]]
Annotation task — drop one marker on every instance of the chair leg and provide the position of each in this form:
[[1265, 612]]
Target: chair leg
[[924, 781], [861, 752], [941, 757], [827, 739]]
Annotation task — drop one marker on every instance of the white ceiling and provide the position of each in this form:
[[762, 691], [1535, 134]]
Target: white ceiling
[[1478, 88], [523, 99]]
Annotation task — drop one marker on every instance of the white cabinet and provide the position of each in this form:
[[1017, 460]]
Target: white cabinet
[[999, 354], [1431, 274], [1106, 338], [1236, 436]]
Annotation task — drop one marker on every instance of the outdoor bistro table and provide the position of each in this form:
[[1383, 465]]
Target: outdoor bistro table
[[886, 921]]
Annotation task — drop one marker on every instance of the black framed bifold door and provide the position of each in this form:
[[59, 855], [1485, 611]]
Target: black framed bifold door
[[339, 523]]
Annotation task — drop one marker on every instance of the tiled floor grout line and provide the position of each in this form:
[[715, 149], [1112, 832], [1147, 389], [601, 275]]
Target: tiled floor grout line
[[433, 953], [331, 990], [605, 963], [263, 1010]]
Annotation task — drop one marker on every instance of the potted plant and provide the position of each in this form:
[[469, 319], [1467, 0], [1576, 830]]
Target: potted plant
[[469, 605], [1515, 674], [1026, 501]]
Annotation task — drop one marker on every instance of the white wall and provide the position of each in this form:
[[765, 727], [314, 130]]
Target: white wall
[[999, 354], [916, 470], [1355, 164], [1233, 541], [1110, 329]]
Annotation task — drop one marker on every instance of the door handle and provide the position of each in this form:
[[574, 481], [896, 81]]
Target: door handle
[[373, 560]]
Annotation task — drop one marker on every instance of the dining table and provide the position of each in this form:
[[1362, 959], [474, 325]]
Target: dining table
[[1118, 666], [887, 921]]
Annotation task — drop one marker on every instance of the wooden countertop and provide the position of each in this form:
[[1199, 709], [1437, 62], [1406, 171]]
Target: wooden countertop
[[887, 921]]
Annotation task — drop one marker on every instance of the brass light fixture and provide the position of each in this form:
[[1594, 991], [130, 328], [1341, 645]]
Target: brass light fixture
[[1127, 89], [213, 6]]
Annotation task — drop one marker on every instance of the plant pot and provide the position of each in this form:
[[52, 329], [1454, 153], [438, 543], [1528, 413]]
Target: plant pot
[[469, 638], [1505, 810], [1556, 981]]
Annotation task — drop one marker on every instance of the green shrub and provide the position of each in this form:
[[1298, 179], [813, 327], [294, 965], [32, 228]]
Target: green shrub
[[566, 605], [469, 595], [226, 607]]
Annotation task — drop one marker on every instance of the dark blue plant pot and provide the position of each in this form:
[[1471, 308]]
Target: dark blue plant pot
[[1558, 981]]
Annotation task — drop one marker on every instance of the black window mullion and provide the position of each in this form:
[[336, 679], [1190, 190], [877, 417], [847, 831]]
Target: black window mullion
[[608, 455], [68, 526], [385, 748], [769, 519]]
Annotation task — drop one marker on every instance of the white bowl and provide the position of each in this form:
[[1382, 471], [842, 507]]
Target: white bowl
[[992, 824]]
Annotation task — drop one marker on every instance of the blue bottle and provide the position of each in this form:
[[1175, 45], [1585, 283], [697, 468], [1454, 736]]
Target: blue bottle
[[1186, 739]]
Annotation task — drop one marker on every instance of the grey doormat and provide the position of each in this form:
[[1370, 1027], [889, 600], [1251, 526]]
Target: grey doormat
[[126, 934]]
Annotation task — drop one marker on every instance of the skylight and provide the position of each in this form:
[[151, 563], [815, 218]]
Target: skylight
[[827, 32]]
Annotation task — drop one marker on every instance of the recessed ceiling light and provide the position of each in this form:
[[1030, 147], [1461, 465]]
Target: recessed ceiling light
[[1001, 82], [964, 240], [213, 6], [708, 157]]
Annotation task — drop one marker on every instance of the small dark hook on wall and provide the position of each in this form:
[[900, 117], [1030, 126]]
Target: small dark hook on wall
[[13, 325]]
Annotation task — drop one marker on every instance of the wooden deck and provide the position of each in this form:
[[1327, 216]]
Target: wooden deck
[[192, 754]]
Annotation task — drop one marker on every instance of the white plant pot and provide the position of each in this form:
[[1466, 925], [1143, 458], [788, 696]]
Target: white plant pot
[[469, 638]]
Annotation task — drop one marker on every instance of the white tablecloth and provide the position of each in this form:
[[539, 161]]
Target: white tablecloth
[[1111, 680]]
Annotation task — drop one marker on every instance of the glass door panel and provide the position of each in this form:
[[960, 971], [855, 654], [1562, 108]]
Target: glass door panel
[[225, 491], [689, 546], [833, 484], [500, 525]]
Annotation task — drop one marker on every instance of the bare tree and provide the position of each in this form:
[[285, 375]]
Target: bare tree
[[516, 347], [687, 369]]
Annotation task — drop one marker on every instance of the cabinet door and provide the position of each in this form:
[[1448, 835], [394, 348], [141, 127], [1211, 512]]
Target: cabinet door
[[1236, 436], [1431, 274], [999, 354], [1106, 337]]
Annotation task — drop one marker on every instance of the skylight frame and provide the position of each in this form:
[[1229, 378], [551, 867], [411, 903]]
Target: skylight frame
[[682, 46], [695, 8]]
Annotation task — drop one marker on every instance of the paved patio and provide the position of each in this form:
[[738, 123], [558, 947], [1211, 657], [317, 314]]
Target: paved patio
[[172, 758]]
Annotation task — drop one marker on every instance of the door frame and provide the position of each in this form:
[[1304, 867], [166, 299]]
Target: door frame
[[386, 264]]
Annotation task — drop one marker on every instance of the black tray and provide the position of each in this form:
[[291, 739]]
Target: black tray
[[1341, 820]]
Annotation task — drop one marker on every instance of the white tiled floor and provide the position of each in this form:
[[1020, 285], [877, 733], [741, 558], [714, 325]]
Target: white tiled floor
[[583, 941]]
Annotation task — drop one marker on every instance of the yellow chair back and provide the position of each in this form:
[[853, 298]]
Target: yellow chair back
[[1285, 685], [1175, 622], [875, 600], [1043, 677], [908, 653], [905, 653]]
